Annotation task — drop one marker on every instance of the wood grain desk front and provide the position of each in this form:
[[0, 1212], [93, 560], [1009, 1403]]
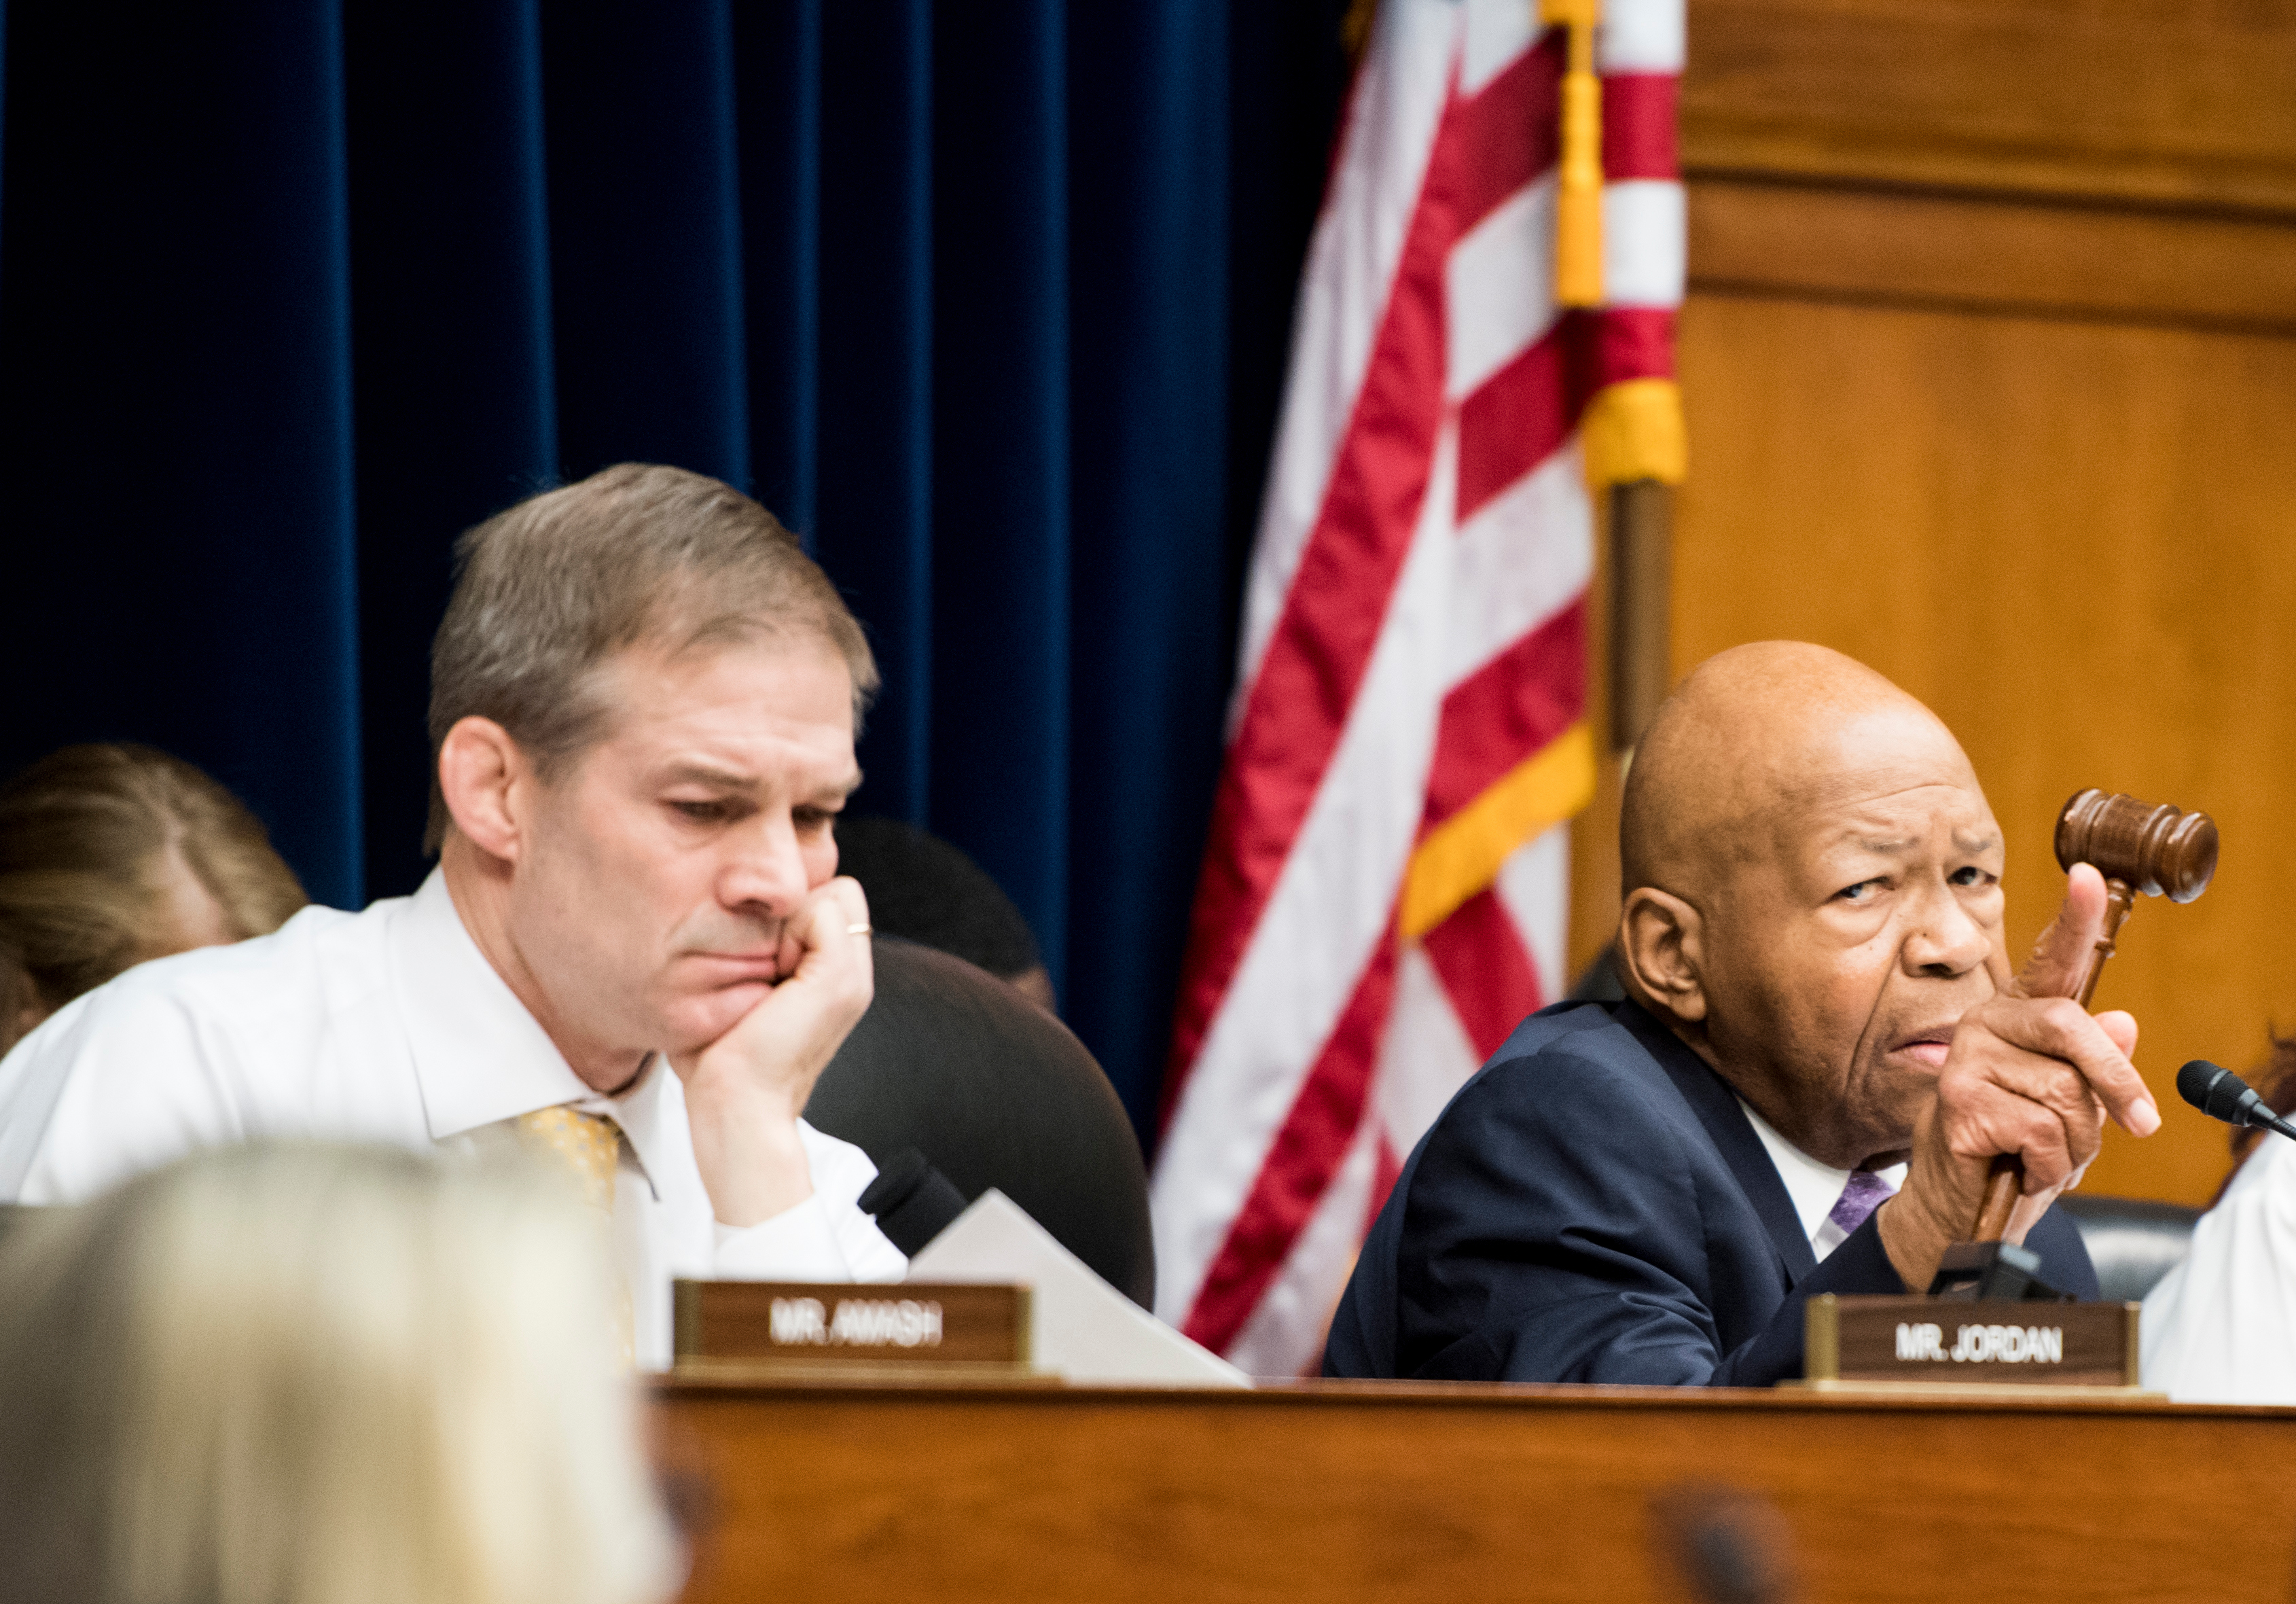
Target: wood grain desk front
[[1352, 1490]]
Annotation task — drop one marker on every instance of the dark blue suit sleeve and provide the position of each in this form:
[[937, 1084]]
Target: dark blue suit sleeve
[[1584, 1238], [2065, 1263], [1861, 1265]]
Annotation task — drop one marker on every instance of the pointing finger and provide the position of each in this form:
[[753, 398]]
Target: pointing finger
[[2061, 957]]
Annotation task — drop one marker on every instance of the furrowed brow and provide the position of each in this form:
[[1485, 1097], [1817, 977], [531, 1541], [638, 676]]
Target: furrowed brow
[[709, 774], [838, 792]]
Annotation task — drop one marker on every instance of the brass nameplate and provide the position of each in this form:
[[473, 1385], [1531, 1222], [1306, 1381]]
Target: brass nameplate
[[815, 1324], [1934, 1340]]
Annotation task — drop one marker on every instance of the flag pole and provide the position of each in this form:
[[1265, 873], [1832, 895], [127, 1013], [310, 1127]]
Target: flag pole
[[1642, 560], [1634, 438]]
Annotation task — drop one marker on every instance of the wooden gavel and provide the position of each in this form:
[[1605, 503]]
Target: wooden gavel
[[2160, 851]]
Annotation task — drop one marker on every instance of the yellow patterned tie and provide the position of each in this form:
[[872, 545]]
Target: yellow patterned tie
[[589, 1146]]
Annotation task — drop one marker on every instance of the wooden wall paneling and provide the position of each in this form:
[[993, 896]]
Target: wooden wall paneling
[[2185, 102], [1989, 254], [1989, 363], [2073, 542]]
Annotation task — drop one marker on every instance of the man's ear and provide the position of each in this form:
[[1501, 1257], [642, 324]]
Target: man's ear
[[1661, 948], [485, 779]]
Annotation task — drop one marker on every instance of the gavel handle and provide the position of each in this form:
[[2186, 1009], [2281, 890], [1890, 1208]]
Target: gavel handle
[[2120, 899], [2008, 1178], [2001, 1190]]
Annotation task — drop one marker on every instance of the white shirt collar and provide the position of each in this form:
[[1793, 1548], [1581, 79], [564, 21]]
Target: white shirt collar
[[1814, 1187], [480, 1057]]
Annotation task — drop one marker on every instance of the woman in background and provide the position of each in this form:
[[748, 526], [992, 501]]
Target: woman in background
[[112, 854], [318, 1375]]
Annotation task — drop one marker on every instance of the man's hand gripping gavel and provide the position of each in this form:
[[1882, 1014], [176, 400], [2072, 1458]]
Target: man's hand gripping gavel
[[2031, 1077]]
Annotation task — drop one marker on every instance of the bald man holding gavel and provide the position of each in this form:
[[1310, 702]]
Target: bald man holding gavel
[[1822, 1050]]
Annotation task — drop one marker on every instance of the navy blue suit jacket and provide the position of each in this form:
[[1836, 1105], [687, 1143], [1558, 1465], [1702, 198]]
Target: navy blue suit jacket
[[1595, 1206]]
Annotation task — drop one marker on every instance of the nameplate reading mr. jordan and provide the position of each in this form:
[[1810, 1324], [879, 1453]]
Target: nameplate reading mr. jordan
[[1942, 1339], [1982, 1345]]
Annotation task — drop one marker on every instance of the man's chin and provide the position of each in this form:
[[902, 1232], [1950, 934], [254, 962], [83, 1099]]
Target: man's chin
[[1899, 1092]]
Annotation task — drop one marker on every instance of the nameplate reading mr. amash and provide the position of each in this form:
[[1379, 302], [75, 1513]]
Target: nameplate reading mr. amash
[[1934, 1340], [813, 1323]]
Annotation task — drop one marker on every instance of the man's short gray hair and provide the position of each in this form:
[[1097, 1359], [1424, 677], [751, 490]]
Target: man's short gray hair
[[638, 555]]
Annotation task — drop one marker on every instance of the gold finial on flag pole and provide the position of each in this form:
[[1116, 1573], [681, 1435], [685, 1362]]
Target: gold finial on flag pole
[[1578, 189]]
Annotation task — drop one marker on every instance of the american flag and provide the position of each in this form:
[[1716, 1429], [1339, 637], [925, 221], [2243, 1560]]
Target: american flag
[[1385, 892]]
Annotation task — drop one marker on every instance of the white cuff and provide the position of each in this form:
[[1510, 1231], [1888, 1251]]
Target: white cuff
[[824, 1238], [796, 1245]]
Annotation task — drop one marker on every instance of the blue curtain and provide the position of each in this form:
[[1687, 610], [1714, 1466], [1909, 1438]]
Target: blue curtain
[[989, 301]]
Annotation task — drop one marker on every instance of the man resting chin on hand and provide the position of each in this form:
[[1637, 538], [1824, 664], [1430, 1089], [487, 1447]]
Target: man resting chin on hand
[[1821, 1053], [634, 959]]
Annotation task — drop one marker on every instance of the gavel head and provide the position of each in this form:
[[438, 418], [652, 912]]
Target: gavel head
[[2161, 851]]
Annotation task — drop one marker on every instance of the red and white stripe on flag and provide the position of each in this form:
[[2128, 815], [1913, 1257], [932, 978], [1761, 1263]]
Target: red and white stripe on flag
[[1385, 895]]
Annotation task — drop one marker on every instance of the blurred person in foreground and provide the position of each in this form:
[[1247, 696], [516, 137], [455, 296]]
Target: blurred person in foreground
[[1821, 1050], [2221, 1327], [112, 854], [326, 1374], [635, 957]]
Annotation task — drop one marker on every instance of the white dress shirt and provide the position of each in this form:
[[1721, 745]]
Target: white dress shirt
[[389, 1026], [1814, 1185], [2221, 1327]]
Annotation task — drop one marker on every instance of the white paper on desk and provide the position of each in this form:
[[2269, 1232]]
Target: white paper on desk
[[1082, 1328]]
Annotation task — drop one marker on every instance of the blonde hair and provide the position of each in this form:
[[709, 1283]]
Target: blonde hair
[[90, 839], [635, 554], [318, 1375]]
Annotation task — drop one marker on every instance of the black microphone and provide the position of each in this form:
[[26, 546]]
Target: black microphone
[[913, 1201], [2222, 1094]]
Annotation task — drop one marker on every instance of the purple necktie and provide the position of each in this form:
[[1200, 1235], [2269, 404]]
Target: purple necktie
[[1866, 1192]]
